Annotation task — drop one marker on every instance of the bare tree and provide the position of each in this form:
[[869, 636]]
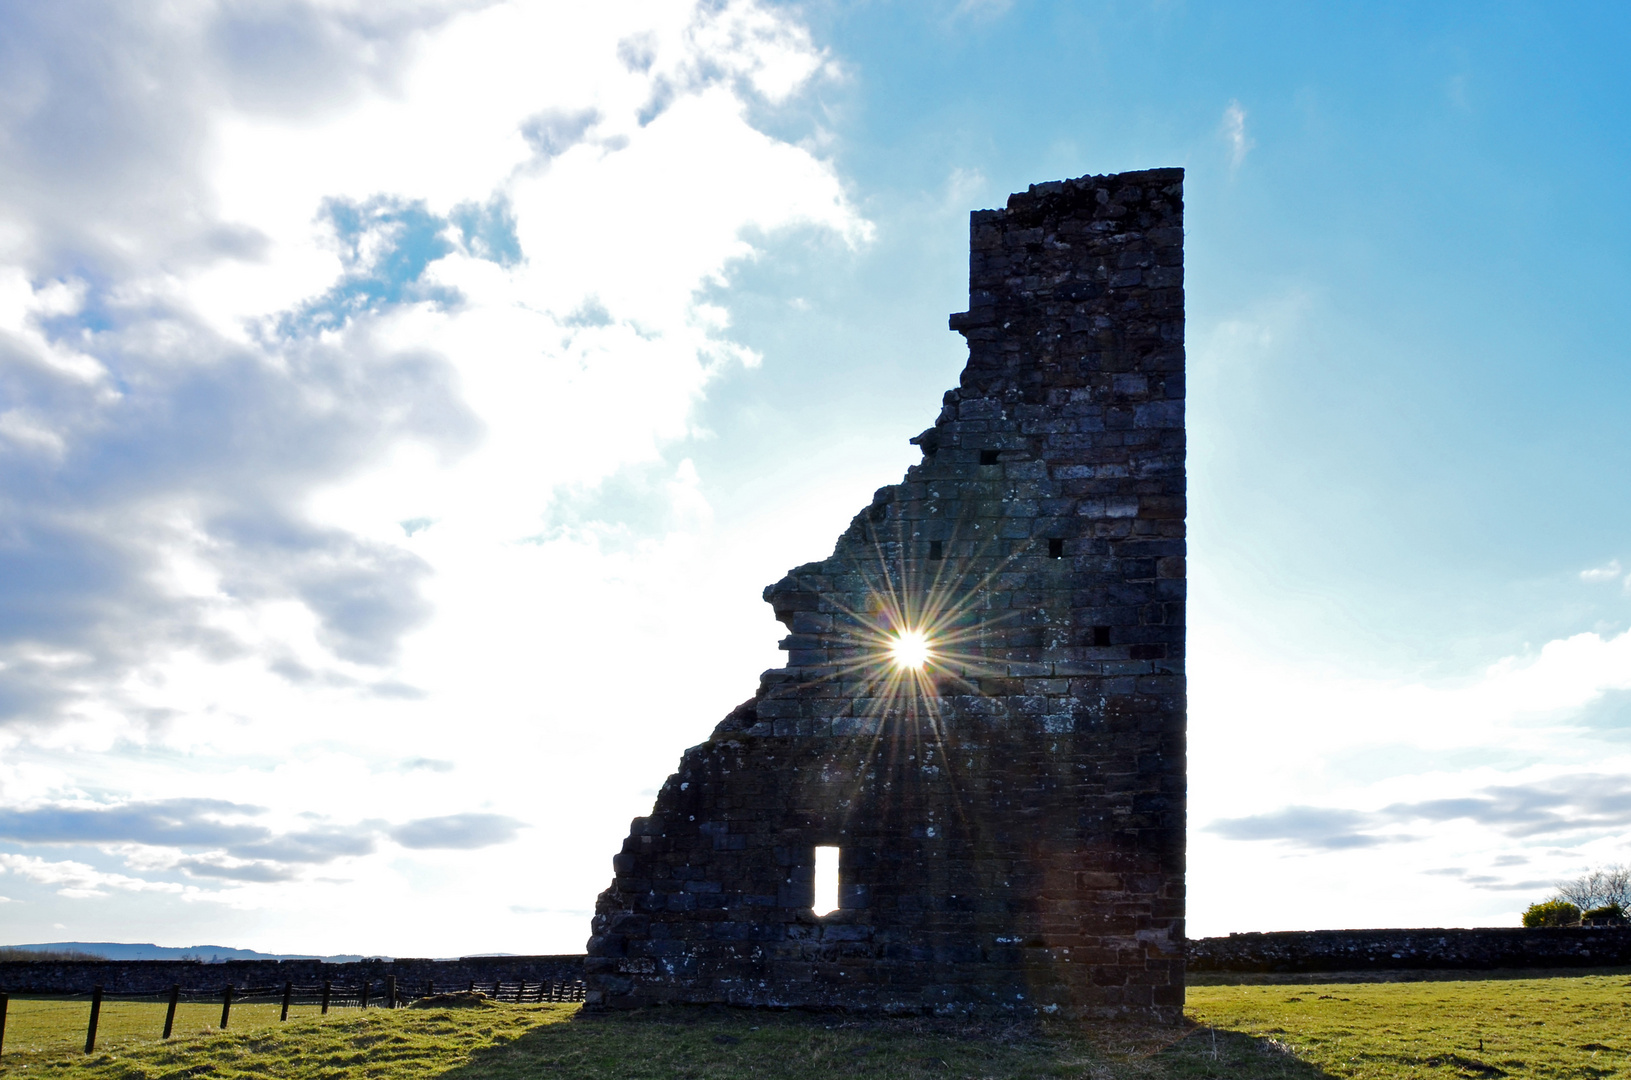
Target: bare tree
[[1601, 887]]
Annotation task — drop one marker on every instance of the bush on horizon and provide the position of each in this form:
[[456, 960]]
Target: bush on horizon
[[1552, 913], [1606, 913]]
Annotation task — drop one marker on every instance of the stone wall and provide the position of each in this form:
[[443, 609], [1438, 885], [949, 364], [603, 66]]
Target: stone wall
[[1398, 950], [156, 976], [1009, 819]]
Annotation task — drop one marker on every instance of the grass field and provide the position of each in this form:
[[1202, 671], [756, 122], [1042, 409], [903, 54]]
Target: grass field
[[46, 1028], [1555, 1027]]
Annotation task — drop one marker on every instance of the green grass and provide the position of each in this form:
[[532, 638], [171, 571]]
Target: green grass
[[1576, 1026], [512, 1042], [1556, 1027], [45, 1029]]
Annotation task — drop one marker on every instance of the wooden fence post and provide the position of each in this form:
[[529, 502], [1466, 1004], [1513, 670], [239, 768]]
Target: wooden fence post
[[327, 987], [365, 993], [430, 987], [390, 991], [288, 992], [5, 999], [226, 1005], [96, 1012], [170, 1014]]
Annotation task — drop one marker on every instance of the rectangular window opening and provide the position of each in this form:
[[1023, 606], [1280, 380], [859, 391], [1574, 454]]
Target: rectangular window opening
[[1056, 549], [988, 457], [826, 880], [936, 550], [1101, 637]]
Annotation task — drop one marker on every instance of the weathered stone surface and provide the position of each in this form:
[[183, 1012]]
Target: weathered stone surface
[[1011, 819]]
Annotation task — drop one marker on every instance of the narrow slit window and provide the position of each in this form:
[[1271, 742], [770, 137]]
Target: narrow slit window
[[1056, 549], [826, 880], [936, 550]]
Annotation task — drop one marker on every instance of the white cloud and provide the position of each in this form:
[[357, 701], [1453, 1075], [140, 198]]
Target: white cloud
[[1234, 133], [339, 271], [1359, 781], [1519, 702], [430, 351], [1609, 571], [79, 881]]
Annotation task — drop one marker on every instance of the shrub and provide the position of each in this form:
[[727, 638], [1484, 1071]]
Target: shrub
[[1606, 886], [1608, 913], [1552, 913]]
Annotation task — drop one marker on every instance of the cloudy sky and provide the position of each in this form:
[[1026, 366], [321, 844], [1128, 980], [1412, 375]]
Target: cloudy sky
[[402, 407]]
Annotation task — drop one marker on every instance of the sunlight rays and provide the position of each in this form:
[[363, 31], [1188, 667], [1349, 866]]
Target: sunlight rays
[[911, 649], [922, 630]]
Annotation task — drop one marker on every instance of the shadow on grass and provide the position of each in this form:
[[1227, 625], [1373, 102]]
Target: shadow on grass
[[727, 1045]]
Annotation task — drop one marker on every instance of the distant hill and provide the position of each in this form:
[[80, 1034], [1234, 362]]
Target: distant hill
[[209, 954]]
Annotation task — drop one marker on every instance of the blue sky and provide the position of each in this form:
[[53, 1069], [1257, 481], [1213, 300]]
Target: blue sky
[[402, 407]]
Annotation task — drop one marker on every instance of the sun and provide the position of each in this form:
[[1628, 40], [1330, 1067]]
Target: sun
[[910, 650]]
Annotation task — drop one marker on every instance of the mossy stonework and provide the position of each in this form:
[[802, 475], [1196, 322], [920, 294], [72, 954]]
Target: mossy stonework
[[1008, 809]]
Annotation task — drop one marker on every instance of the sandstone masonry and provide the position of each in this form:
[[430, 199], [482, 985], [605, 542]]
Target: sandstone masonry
[[1010, 818]]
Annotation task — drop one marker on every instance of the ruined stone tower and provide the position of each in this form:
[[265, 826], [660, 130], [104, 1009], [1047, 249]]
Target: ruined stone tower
[[1008, 809]]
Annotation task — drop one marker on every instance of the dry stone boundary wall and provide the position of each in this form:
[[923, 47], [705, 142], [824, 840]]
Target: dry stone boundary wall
[[1284, 952], [1487, 949], [157, 976]]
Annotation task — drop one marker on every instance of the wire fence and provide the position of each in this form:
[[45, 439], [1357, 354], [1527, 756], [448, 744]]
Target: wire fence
[[104, 1019]]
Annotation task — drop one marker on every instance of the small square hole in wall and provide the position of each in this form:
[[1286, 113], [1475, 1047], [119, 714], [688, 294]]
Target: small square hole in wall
[[826, 880], [936, 550], [1100, 638], [1056, 549], [988, 457]]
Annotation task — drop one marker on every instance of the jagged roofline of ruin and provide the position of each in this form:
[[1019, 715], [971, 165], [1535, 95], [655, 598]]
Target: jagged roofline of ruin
[[1010, 821]]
